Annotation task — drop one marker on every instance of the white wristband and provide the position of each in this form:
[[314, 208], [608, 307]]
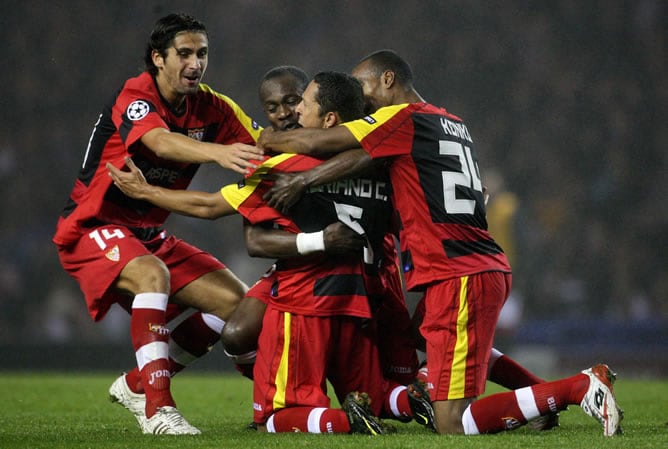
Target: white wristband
[[310, 242]]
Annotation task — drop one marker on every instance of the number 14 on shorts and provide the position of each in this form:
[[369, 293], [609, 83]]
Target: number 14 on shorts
[[101, 236]]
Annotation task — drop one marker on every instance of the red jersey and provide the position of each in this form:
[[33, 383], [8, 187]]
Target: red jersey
[[136, 109], [319, 285], [437, 191]]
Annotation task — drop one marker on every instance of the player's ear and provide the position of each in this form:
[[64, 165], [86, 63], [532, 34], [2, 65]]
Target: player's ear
[[330, 119], [157, 58], [387, 79]]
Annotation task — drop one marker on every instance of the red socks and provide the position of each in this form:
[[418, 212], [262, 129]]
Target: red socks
[[508, 373], [396, 404], [507, 411], [190, 340], [150, 340], [309, 419]]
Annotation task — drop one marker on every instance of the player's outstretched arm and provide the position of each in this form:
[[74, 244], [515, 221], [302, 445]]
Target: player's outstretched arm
[[184, 202], [289, 187], [313, 141], [177, 147]]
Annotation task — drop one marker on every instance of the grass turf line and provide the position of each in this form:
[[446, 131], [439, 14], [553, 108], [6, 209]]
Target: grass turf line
[[71, 410]]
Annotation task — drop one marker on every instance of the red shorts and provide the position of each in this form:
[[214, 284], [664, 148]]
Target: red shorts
[[297, 354], [262, 288], [396, 343], [97, 258], [459, 323]]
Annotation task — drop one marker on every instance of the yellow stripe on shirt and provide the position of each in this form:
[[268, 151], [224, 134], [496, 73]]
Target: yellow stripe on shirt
[[458, 369], [236, 194], [251, 127], [362, 127]]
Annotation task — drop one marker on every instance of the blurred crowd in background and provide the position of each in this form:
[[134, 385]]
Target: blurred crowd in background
[[566, 102]]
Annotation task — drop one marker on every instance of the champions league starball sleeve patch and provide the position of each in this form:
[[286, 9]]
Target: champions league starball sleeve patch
[[137, 110]]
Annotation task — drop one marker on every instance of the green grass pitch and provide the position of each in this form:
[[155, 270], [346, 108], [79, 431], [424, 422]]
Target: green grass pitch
[[50, 410]]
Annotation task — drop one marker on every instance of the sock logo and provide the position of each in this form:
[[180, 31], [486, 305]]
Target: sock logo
[[158, 329], [552, 404], [330, 428], [400, 369], [511, 423], [598, 398], [155, 375]]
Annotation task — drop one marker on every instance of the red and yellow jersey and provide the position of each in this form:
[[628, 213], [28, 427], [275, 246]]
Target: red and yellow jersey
[[437, 191], [136, 109], [318, 285]]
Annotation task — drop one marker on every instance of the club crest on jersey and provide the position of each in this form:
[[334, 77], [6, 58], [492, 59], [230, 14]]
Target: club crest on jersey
[[114, 254], [137, 110], [369, 120], [196, 133]]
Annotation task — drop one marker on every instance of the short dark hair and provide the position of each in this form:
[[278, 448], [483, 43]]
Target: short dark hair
[[382, 60], [287, 70], [341, 93], [163, 34]]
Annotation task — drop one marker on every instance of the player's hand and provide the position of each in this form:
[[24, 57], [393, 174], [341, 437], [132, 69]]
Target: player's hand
[[266, 137], [240, 157], [132, 183], [340, 239], [286, 191]]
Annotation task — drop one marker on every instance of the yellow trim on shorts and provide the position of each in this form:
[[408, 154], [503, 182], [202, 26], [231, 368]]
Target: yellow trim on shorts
[[282, 372], [458, 368]]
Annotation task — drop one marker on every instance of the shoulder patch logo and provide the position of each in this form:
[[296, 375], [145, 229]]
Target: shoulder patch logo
[[369, 119], [137, 110]]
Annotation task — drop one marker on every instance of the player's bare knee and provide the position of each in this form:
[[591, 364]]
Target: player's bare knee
[[237, 339], [449, 427], [145, 274], [448, 416]]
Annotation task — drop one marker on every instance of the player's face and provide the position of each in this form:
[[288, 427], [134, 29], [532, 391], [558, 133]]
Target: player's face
[[280, 97], [180, 72], [309, 109], [373, 94]]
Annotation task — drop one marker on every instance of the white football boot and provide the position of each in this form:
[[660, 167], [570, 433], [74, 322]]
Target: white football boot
[[133, 402], [599, 400], [168, 421]]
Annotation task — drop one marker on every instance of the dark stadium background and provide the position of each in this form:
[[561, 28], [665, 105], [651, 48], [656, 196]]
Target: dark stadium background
[[566, 102]]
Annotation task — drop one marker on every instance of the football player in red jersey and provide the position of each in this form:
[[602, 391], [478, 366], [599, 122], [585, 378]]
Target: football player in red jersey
[[280, 91], [168, 122], [445, 247], [289, 291]]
